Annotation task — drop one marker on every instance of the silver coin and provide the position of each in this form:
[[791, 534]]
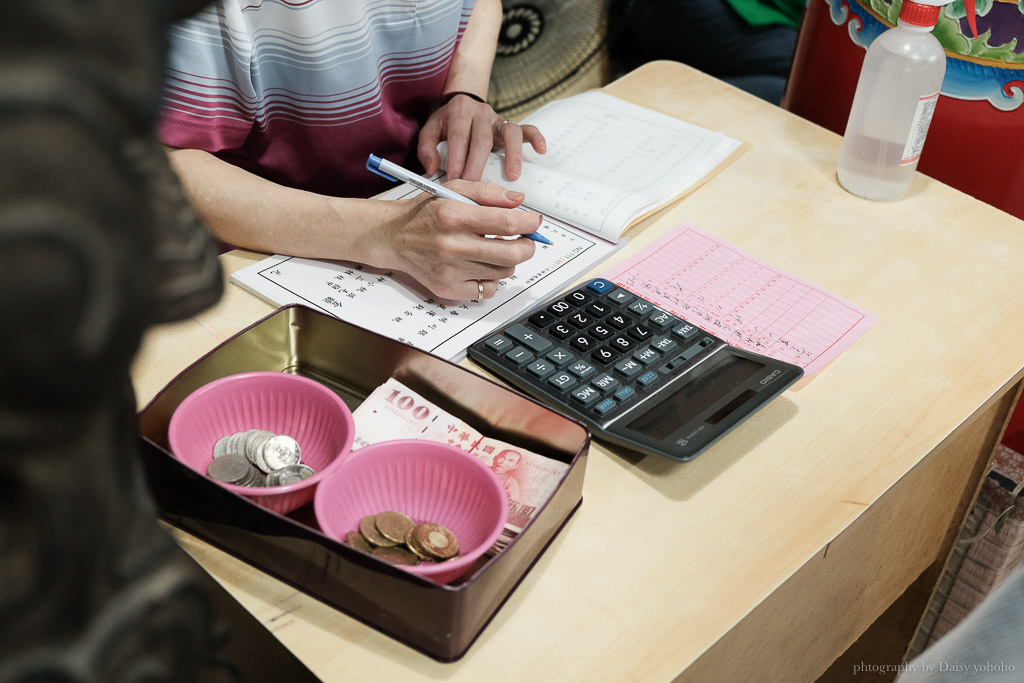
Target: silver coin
[[234, 444], [256, 478], [290, 474], [281, 451], [248, 440], [221, 447], [259, 446], [231, 468]]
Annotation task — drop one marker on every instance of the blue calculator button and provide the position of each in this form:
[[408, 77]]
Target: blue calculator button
[[647, 379], [624, 394], [606, 406], [600, 286]]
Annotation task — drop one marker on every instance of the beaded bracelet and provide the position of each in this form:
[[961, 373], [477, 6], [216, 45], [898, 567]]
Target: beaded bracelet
[[445, 98]]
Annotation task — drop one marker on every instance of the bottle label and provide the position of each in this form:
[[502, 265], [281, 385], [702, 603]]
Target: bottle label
[[919, 129]]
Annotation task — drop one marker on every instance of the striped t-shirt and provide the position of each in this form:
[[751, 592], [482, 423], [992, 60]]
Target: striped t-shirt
[[302, 91]]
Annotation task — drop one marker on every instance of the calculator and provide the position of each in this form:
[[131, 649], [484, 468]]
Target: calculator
[[635, 374]]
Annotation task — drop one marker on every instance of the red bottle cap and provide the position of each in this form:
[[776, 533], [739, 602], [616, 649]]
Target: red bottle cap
[[917, 14]]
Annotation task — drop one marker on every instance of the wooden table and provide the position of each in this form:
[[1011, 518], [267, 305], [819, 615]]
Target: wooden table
[[826, 518]]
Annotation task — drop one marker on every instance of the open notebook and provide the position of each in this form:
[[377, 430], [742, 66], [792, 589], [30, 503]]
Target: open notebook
[[609, 163]]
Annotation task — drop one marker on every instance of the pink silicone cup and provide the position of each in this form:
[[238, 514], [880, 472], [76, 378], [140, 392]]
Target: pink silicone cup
[[302, 408], [426, 480]]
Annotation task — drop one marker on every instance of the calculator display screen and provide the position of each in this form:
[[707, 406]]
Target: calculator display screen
[[695, 396]]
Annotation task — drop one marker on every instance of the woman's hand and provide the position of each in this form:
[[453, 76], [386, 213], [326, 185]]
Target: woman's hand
[[472, 130], [443, 243]]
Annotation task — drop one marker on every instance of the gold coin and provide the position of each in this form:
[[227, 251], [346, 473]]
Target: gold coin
[[368, 528], [438, 541], [396, 555], [393, 525], [410, 542], [357, 540]]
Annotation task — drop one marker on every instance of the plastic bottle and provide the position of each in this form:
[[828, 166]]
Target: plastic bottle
[[892, 107]]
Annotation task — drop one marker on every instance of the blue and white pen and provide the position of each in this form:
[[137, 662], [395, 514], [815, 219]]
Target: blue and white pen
[[396, 173]]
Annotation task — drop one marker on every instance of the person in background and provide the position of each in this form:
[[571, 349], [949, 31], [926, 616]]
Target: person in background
[[747, 43], [985, 646], [271, 110]]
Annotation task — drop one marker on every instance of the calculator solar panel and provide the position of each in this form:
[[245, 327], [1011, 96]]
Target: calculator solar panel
[[636, 375]]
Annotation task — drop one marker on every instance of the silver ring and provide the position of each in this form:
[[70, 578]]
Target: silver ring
[[479, 289], [498, 132]]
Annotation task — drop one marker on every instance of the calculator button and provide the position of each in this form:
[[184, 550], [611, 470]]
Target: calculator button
[[542, 319], [641, 307], [519, 356], [638, 332], [499, 344], [622, 344], [598, 309], [562, 381], [600, 332], [629, 368], [606, 406], [662, 320], [582, 343], [579, 320], [535, 341], [620, 296], [605, 355], [578, 298], [586, 395], [646, 355], [559, 308], [686, 331], [624, 394], [664, 344], [619, 321], [647, 379], [540, 368], [559, 356], [581, 369], [600, 286], [561, 331], [605, 382]]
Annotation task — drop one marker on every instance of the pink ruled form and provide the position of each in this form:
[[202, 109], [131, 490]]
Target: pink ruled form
[[741, 299]]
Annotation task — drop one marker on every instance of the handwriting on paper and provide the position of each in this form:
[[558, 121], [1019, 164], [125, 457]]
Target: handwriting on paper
[[743, 300]]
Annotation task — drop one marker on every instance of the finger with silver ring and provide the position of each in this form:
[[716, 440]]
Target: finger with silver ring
[[500, 125]]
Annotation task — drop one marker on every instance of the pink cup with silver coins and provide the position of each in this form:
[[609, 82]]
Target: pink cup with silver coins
[[277, 403]]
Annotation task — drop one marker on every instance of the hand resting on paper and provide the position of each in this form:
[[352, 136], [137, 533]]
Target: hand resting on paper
[[472, 130]]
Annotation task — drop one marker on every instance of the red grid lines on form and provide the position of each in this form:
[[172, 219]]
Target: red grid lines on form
[[742, 299]]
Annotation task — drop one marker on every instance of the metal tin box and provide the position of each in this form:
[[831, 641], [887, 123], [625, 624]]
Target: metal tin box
[[440, 620]]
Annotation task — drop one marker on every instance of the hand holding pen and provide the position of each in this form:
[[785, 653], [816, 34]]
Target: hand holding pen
[[396, 173], [447, 245]]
